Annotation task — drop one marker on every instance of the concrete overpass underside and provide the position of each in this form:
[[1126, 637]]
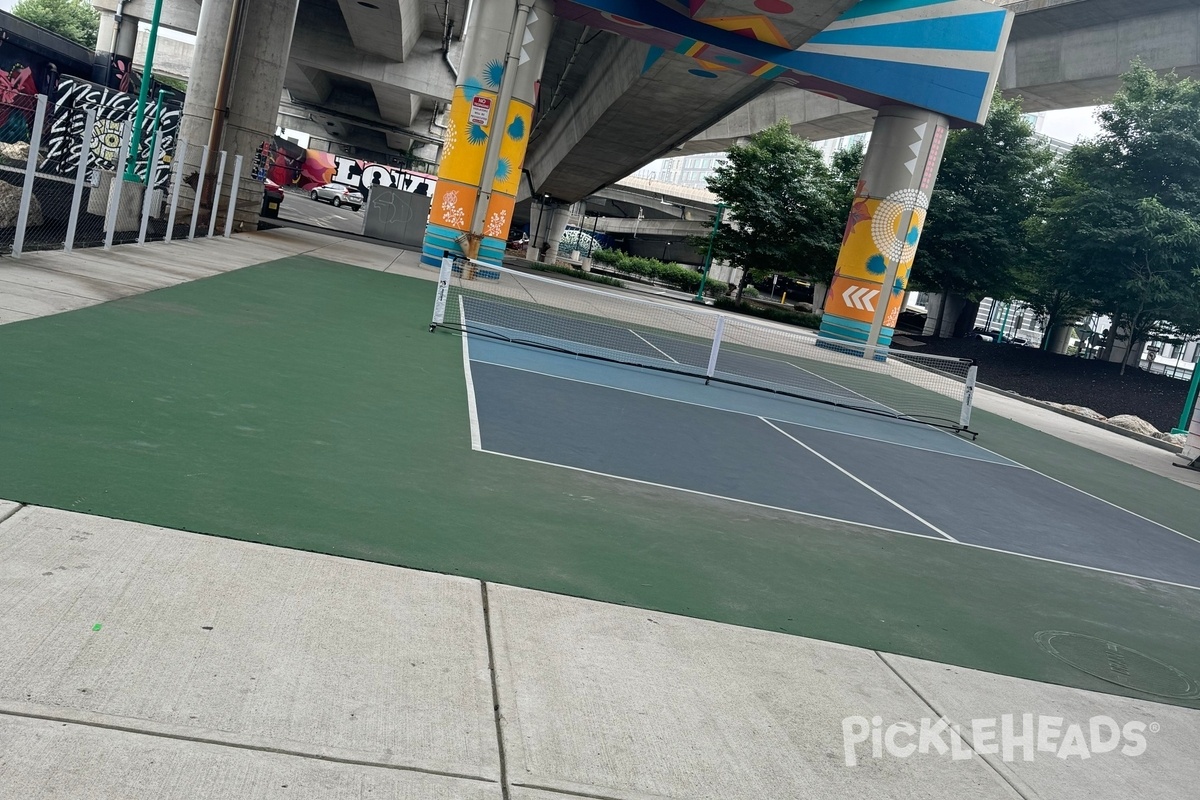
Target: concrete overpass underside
[[1061, 54]]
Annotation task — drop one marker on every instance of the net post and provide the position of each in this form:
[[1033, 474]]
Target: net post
[[968, 396], [716, 348], [443, 290]]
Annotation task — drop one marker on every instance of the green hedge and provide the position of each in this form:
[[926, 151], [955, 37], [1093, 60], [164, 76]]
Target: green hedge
[[573, 272], [800, 318], [671, 274]]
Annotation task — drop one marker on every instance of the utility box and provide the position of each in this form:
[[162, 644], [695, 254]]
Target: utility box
[[395, 215]]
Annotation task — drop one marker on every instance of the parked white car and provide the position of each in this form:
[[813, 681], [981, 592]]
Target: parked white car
[[338, 194]]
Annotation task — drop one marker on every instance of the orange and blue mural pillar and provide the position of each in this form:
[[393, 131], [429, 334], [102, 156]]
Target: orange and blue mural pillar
[[885, 224], [475, 118]]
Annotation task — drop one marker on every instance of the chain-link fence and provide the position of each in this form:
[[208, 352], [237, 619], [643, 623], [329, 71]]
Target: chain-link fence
[[76, 173]]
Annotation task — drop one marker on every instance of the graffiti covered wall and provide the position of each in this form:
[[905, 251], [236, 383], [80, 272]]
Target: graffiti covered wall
[[71, 103], [290, 165]]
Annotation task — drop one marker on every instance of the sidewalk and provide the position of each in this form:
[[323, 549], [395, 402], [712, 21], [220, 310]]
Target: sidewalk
[[141, 662]]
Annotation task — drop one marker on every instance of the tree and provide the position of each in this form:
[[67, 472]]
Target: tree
[[1126, 215], [781, 207], [72, 19], [992, 179]]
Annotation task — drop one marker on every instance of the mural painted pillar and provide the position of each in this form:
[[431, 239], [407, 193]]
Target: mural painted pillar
[[880, 241], [474, 118]]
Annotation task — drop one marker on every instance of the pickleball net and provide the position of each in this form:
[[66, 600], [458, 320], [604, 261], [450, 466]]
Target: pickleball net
[[699, 342]]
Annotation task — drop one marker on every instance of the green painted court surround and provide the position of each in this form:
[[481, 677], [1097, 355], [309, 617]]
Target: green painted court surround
[[304, 404]]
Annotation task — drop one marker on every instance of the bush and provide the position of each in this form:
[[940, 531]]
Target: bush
[[574, 273], [800, 318], [673, 275]]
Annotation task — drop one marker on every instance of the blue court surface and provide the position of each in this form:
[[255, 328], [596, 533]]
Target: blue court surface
[[802, 457]]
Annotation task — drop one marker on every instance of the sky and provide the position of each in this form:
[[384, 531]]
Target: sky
[[1071, 124]]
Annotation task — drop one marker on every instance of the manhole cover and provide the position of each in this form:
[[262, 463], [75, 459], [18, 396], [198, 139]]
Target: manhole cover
[[1118, 664]]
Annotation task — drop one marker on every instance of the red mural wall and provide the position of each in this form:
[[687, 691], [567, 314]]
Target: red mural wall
[[289, 164]]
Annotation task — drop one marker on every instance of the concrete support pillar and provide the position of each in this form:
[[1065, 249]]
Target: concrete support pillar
[[885, 225], [1190, 457], [474, 118], [253, 103], [942, 314], [115, 45], [1060, 338], [540, 213], [559, 220]]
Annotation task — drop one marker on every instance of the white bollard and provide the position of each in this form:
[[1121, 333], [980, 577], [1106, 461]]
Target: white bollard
[[233, 192], [85, 152], [216, 206], [148, 197], [114, 189], [199, 194], [35, 143], [180, 155]]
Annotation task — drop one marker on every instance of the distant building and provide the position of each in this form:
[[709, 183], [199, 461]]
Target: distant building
[[830, 147], [689, 171]]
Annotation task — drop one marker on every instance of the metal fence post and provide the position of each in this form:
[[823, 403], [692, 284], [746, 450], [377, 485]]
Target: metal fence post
[[114, 188], [233, 193], [216, 206], [85, 153], [180, 156], [199, 193], [148, 197], [35, 142]]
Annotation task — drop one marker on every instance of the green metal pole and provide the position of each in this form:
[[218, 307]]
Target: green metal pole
[[140, 115], [1003, 322], [708, 258], [1189, 407]]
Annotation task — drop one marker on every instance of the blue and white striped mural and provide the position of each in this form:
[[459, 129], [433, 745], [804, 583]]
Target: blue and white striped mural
[[939, 55]]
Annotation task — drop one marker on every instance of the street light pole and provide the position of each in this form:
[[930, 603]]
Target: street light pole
[[135, 141], [699, 298]]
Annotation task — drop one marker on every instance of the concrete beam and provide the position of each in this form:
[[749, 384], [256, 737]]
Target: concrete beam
[[322, 41], [1062, 54], [388, 28], [1083, 66], [307, 84], [396, 105], [672, 229], [172, 57], [614, 122], [178, 15]]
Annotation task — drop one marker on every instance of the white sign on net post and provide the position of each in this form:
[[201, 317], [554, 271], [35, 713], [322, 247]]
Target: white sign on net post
[[443, 291]]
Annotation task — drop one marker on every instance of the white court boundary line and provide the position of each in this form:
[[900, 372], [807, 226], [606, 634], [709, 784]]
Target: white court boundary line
[[1009, 463], [472, 408], [986, 548], [861, 525], [647, 341], [861, 482], [710, 495]]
